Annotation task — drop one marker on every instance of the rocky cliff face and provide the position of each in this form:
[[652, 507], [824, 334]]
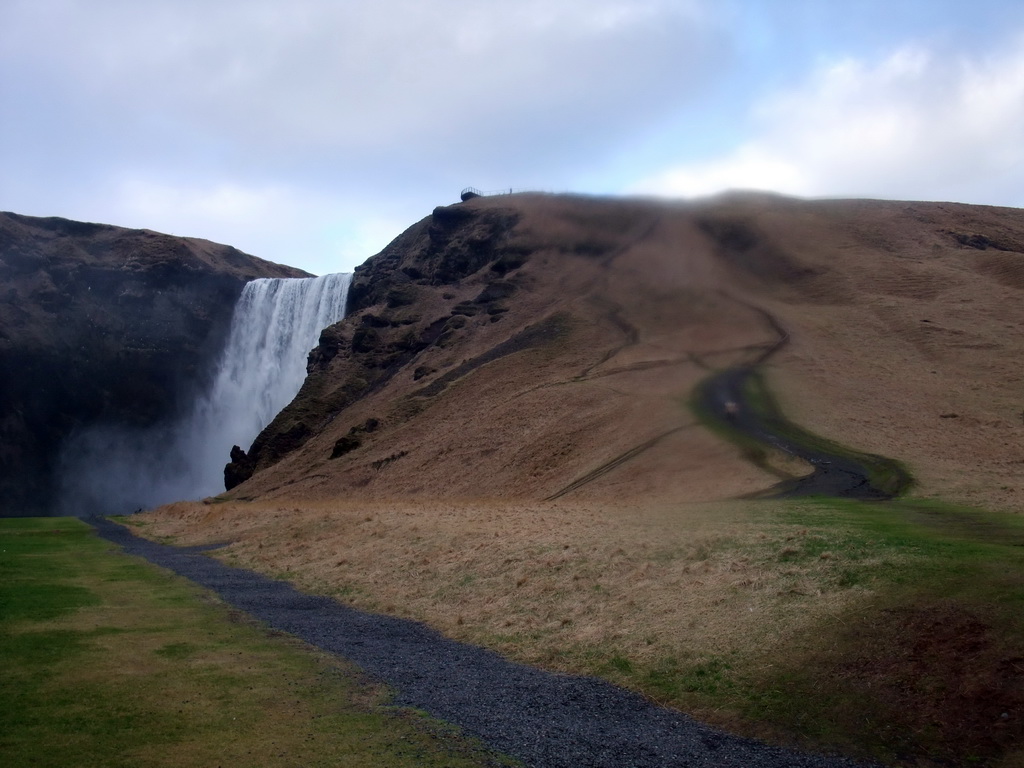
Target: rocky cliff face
[[101, 324], [401, 302]]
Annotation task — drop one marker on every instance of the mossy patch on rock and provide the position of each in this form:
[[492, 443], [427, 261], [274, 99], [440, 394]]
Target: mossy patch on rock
[[401, 295], [495, 291]]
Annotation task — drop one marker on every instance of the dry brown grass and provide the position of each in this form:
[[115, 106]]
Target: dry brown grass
[[565, 585], [906, 342]]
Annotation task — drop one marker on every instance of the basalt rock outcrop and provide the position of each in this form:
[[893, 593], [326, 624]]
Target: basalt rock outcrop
[[101, 324]]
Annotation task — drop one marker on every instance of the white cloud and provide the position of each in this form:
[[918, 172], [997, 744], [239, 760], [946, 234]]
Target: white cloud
[[273, 222], [234, 119], [314, 76], [230, 203], [916, 125]]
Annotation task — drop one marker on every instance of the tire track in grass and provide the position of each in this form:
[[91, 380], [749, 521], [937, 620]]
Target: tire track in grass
[[607, 467]]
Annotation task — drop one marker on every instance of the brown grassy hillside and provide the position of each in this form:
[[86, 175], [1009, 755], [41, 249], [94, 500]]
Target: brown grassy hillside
[[576, 335]]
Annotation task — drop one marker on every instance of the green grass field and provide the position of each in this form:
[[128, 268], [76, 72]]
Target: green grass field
[[109, 661], [929, 670]]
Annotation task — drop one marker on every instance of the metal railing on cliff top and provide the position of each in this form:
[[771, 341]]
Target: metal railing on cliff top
[[470, 192]]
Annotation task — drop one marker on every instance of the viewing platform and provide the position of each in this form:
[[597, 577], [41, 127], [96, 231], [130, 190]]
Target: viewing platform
[[470, 192]]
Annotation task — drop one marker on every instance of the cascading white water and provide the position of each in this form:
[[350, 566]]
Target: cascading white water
[[275, 324]]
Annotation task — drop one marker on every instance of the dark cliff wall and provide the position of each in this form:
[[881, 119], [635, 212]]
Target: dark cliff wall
[[100, 324]]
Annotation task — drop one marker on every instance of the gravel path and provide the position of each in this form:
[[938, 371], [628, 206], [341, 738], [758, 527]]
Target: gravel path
[[544, 719], [846, 475]]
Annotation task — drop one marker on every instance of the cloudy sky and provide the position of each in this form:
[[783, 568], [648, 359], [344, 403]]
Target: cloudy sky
[[312, 132]]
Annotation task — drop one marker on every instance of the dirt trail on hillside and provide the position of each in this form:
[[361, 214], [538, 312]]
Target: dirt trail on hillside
[[726, 397]]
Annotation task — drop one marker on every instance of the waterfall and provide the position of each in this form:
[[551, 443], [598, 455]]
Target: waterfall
[[113, 470], [276, 322]]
